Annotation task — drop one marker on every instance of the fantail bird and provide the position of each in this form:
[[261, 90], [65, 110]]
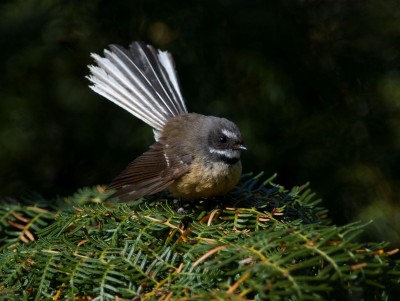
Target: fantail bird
[[194, 156]]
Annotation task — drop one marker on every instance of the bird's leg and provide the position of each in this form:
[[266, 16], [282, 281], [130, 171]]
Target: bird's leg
[[180, 210]]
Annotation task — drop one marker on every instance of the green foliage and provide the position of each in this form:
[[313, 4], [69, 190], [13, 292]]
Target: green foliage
[[264, 243]]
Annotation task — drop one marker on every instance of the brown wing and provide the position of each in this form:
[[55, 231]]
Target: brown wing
[[150, 173]]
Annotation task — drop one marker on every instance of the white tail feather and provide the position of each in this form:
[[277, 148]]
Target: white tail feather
[[167, 61], [107, 87], [154, 99], [165, 87], [141, 81]]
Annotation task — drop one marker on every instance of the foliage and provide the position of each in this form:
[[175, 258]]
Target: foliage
[[261, 242]]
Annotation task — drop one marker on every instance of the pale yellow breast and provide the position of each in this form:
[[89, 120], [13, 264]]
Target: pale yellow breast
[[206, 180]]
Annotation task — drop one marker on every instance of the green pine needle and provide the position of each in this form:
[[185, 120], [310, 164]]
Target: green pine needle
[[261, 242]]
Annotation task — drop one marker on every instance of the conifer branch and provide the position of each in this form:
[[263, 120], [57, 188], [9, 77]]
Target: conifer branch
[[263, 242]]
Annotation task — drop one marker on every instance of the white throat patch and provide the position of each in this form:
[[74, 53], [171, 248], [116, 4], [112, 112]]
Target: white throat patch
[[228, 153]]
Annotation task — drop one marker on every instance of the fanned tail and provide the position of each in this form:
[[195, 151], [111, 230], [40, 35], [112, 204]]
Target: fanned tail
[[141, 80]]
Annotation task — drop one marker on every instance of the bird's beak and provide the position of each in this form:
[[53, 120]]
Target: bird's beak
[[239, 146]]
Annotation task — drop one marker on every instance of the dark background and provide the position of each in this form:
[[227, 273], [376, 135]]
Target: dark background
[[314, 86]]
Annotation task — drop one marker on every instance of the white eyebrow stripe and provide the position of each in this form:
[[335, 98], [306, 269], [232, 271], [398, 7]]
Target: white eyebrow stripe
[[229, 134], [228, 153]]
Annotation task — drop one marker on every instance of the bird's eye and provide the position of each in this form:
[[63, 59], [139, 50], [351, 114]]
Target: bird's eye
[[223, 139]]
